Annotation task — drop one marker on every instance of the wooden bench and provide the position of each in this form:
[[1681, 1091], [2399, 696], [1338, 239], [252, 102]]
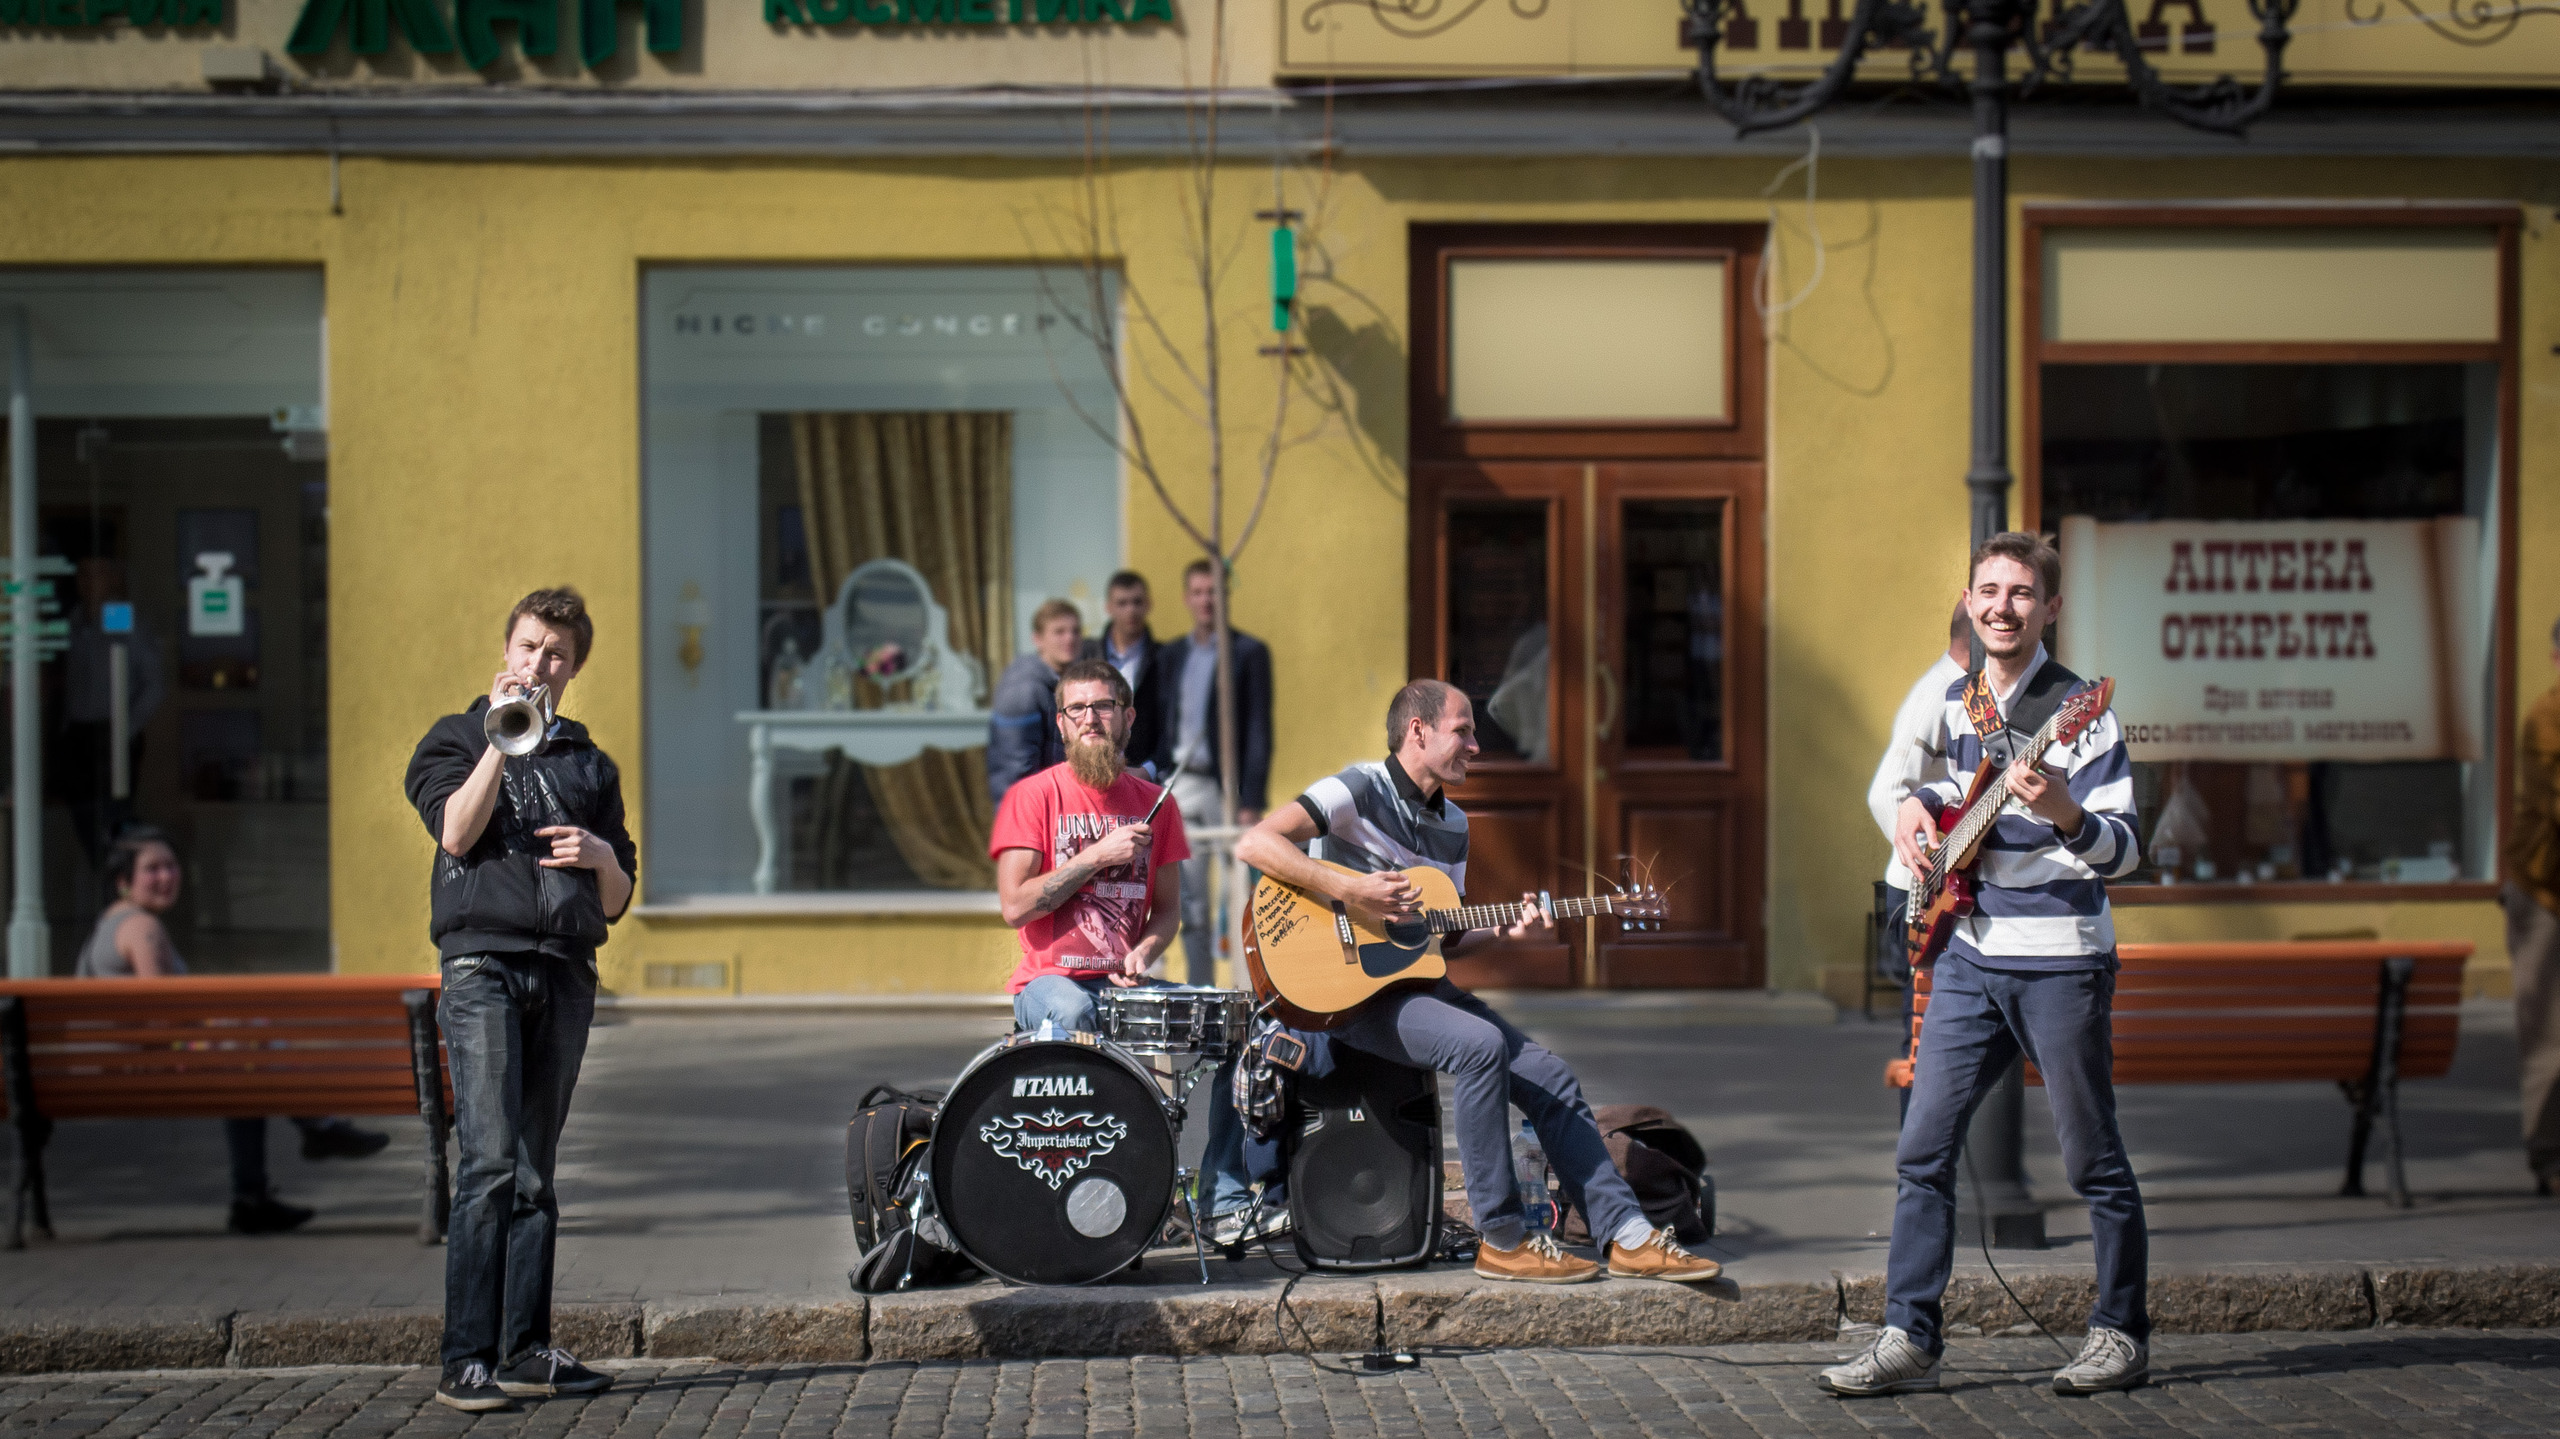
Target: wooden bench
[[2364, 1014], [219, 1047]]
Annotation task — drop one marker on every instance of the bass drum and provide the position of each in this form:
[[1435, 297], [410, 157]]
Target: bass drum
[[1053, 1160]]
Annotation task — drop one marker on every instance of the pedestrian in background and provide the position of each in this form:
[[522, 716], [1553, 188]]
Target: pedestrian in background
[[2532, 901], [1190, 737], [1131, 648], [533, 861], [131, 941], [1022, 730]]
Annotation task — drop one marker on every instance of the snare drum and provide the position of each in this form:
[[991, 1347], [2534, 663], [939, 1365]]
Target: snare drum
[[1053, 1160], [1169, 1019]]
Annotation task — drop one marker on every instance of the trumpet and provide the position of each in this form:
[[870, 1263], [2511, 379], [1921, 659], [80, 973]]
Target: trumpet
[[516, 726]]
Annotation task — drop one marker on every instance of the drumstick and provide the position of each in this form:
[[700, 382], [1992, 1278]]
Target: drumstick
[[1163, 794]]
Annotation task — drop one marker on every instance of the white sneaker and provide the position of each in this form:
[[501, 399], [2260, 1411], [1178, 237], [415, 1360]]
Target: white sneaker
[[1893, 1364], [2112, 1359], [1228, 1230]]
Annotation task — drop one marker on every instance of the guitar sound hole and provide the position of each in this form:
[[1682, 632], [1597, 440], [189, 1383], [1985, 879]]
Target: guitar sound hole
[[1405, 934]]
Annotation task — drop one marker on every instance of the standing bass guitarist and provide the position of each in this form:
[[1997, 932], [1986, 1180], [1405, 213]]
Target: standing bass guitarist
[[2032, 969]]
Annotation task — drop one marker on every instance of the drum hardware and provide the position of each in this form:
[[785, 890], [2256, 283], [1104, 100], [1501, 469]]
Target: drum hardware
[[1052, 1158]]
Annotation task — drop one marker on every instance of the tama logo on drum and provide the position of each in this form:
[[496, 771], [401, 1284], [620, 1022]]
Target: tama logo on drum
[[1056, 1146], [1052, 1086]]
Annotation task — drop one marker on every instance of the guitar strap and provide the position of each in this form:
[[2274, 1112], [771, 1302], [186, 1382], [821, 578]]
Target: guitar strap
[[2003, 739]]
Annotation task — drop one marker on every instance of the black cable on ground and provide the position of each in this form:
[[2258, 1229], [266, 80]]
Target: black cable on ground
[[1982, 1231]]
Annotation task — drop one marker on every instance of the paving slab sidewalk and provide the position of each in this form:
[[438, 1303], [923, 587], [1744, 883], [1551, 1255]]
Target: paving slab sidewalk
[[703, 1192]]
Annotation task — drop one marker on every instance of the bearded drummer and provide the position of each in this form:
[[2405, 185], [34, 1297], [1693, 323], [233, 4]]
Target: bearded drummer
[[1086, 879], [1093, 886]]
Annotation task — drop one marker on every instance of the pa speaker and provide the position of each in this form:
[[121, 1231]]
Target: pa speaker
[[1364, 1164]]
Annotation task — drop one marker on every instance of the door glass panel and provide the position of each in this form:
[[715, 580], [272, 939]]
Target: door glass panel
[[1675, 641], [1497, 608]]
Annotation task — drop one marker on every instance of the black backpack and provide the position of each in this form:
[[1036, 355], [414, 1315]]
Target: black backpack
[[886, 1186]]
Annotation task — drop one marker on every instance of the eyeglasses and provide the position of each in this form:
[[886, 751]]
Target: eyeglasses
[[1095, 709]]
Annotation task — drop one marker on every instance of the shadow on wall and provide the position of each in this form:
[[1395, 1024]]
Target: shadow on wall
[[1360, 380]]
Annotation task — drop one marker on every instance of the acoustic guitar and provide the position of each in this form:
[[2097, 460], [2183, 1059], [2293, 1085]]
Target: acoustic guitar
[[1942, 890], [1313, 960]]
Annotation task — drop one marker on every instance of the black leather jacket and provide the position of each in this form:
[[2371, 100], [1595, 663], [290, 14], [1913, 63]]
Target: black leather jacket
[[498, 899]]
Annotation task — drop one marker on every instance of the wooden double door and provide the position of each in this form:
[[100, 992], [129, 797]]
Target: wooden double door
[[1605, 619]]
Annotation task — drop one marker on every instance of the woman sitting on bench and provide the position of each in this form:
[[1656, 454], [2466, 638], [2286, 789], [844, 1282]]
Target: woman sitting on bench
[[132, 942]]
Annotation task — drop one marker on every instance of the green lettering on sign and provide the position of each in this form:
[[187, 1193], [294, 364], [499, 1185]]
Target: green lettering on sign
[[420, 23], [883, 13], [599, 28], [537, 25]]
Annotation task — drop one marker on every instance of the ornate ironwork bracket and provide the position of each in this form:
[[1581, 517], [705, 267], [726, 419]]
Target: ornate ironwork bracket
[[2048, 43]]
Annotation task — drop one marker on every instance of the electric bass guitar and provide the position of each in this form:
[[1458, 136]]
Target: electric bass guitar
[[1313, 960], [1942, 890]]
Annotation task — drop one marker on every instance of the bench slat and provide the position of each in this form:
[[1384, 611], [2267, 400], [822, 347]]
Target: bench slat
[[2273, 1010], [220, 1045]]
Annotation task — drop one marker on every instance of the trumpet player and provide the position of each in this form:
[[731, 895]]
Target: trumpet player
[[532, 862]]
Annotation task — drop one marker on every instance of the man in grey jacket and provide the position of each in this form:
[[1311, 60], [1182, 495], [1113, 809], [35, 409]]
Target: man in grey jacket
[[1022, 734]]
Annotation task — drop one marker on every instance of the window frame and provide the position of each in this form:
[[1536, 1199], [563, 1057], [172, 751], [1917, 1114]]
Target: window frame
[[2038, 221]]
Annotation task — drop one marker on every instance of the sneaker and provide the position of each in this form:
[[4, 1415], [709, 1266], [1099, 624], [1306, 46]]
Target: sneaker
[[1536, 1261], [469, 1388], [1893, 1364], [341, 1140], [2111, 1359], [546, 1372], [1231, 1229], [266, 1215], [1661, 1257]]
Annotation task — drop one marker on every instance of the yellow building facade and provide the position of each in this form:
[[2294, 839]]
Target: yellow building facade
[[485, 243]]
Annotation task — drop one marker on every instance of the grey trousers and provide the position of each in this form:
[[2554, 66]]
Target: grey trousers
[[2533, 946], [1496, 1066]]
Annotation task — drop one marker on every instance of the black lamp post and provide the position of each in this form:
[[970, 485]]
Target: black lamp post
[[1992, 30]]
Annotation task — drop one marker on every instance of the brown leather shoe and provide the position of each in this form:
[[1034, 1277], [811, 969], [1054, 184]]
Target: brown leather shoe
[[1661, 1257], [1536, 1261]]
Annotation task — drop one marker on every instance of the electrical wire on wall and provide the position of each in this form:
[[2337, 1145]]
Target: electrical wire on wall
[[1811, 164]]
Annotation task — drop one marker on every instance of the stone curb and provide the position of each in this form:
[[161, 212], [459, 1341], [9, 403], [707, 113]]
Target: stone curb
[[1326, 1314]]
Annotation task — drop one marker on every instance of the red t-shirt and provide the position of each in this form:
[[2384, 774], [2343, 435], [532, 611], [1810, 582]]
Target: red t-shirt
[[1055, 815]]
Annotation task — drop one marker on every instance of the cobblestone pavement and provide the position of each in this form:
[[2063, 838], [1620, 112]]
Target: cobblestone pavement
[[2399, 1382]]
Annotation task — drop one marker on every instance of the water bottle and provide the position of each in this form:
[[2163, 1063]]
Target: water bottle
[[1529, 1172]]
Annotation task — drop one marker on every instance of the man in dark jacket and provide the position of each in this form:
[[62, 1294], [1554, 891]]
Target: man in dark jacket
[[1022, 732], [1131, 648], [533, 862], [1190, 669]]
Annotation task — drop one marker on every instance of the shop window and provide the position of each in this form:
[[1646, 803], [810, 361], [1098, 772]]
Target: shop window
[[2291, 568], [799, 425], [178, 419]]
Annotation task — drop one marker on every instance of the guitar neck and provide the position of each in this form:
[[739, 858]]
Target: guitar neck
[[1501, 916], [1978, 820]]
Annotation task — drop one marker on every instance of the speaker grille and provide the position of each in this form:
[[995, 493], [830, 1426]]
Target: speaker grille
[[1364, 1165]]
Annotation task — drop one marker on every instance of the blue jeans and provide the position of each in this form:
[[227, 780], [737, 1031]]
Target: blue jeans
[[1495, 1066], [1069, 1004], [515, 1032], [1977, 1021]]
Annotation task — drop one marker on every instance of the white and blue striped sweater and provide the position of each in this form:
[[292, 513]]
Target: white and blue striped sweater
[[2042, 899]]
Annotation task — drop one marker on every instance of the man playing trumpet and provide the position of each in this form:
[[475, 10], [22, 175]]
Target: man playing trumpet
[[532, 863]]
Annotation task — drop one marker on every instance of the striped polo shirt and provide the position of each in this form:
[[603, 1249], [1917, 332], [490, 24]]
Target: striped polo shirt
[[2042, 901], [1373, 817]]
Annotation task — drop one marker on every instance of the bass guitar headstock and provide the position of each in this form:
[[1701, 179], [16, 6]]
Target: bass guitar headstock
[[2079, 712]]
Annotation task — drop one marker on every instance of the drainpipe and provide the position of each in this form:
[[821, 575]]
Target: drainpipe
[[30, 941]]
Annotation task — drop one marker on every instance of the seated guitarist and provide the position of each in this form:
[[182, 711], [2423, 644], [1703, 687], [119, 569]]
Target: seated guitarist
[[2032, 969], [1379, 817]]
